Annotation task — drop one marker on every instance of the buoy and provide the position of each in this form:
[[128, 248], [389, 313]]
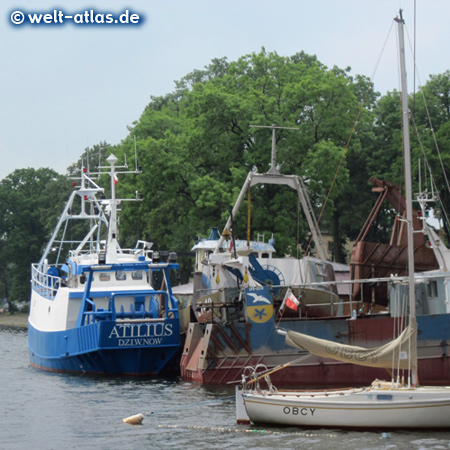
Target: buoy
[[134, 420]]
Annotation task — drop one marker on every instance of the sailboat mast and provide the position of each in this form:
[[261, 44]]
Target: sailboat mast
[[408, 187], [407, 156]]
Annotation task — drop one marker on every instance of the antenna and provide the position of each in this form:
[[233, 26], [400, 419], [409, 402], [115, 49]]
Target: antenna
[[273, 163], [135, 154]]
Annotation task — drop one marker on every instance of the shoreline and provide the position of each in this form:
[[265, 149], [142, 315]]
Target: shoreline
[[17, 320]]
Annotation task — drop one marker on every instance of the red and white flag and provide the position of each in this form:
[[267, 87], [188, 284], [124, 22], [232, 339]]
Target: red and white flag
[[116, 180], [290, 300]]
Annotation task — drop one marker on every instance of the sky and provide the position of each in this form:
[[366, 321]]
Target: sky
[[68, 87]]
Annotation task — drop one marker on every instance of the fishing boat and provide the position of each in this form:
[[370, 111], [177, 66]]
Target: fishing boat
[[240, 286], [399, 403], [97, 308]]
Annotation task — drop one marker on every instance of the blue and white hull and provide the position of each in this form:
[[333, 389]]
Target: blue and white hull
[[130, 329], [107, 348], [95, 307]]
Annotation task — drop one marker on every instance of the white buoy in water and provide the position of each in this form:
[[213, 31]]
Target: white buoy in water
[[134, 420]]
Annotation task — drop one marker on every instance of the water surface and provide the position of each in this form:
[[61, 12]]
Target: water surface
[[41, 410]]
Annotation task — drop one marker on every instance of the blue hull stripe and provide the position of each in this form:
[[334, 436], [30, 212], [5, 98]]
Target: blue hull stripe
[[107, 347]]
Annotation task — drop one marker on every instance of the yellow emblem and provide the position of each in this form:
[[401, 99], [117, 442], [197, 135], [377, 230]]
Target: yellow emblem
[[260, 314]]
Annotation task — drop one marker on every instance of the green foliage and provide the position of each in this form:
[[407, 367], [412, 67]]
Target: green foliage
[[197, 144], [31, 202]]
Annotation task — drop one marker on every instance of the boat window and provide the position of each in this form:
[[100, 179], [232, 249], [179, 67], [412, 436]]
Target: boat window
[[320, 269], [104, 277], [137, 275], [255, 254], [265, 255], [432, 289], [121, 275]]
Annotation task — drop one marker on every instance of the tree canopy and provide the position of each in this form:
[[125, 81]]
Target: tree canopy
[[31, 203], [197, 144]]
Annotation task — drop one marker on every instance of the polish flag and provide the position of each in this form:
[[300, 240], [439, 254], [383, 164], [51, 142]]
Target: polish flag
[[290, 300], [116, 180]]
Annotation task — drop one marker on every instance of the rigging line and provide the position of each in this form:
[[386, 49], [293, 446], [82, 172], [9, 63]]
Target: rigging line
[[298, 226], [351, 134], [433, 182], [435, 140], [340, 164], [416, 71], [383, 48], [414, 59], [298, 275], [277, 368]]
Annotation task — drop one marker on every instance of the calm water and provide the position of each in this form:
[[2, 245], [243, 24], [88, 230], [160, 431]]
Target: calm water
[[39, 410]]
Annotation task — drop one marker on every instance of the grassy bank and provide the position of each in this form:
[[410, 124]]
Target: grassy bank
[[18, 320]]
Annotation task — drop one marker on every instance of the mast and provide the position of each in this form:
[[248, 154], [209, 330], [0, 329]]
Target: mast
[[112, 229], [408, 182], [273, 159], [274, 177]]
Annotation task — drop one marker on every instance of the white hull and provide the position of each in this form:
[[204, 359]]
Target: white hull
[[425, 407]]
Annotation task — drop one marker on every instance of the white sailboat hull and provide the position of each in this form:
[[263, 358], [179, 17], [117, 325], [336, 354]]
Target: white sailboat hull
[[425, 407]]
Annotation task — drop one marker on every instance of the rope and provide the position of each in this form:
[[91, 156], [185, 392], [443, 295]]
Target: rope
[[276, 369], [344, 153]]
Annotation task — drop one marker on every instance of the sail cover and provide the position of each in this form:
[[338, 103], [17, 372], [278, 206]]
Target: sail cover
[[400, 353]]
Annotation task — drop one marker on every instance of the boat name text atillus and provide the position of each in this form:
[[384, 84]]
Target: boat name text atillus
[[126, 331]]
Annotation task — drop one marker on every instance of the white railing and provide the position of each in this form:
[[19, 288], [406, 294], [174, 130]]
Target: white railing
[[44, 284]]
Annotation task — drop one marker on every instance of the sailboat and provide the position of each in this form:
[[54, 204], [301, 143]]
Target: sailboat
[[398, 403]]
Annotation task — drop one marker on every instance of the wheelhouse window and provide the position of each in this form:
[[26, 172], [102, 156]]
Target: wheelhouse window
[[320, 270], [104, 277], [432, 289], [121, 275], [137, 275]]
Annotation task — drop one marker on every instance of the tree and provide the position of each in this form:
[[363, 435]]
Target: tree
[[31, 201], [197, 145]]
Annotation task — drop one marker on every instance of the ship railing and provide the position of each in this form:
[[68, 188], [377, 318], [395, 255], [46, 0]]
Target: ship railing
[[161, 306], [356, 304], [44, 284], [344, 305]]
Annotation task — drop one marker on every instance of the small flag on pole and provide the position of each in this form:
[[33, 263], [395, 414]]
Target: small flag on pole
[[290, 300], [116, 180]]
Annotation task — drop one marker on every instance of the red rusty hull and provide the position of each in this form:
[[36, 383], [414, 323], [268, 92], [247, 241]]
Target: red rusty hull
[[209, 359]]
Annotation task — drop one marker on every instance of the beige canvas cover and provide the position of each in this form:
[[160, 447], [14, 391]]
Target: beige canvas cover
[[400, 353]]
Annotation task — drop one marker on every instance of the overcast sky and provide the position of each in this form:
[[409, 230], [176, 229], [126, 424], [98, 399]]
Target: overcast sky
[[65, 88]]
